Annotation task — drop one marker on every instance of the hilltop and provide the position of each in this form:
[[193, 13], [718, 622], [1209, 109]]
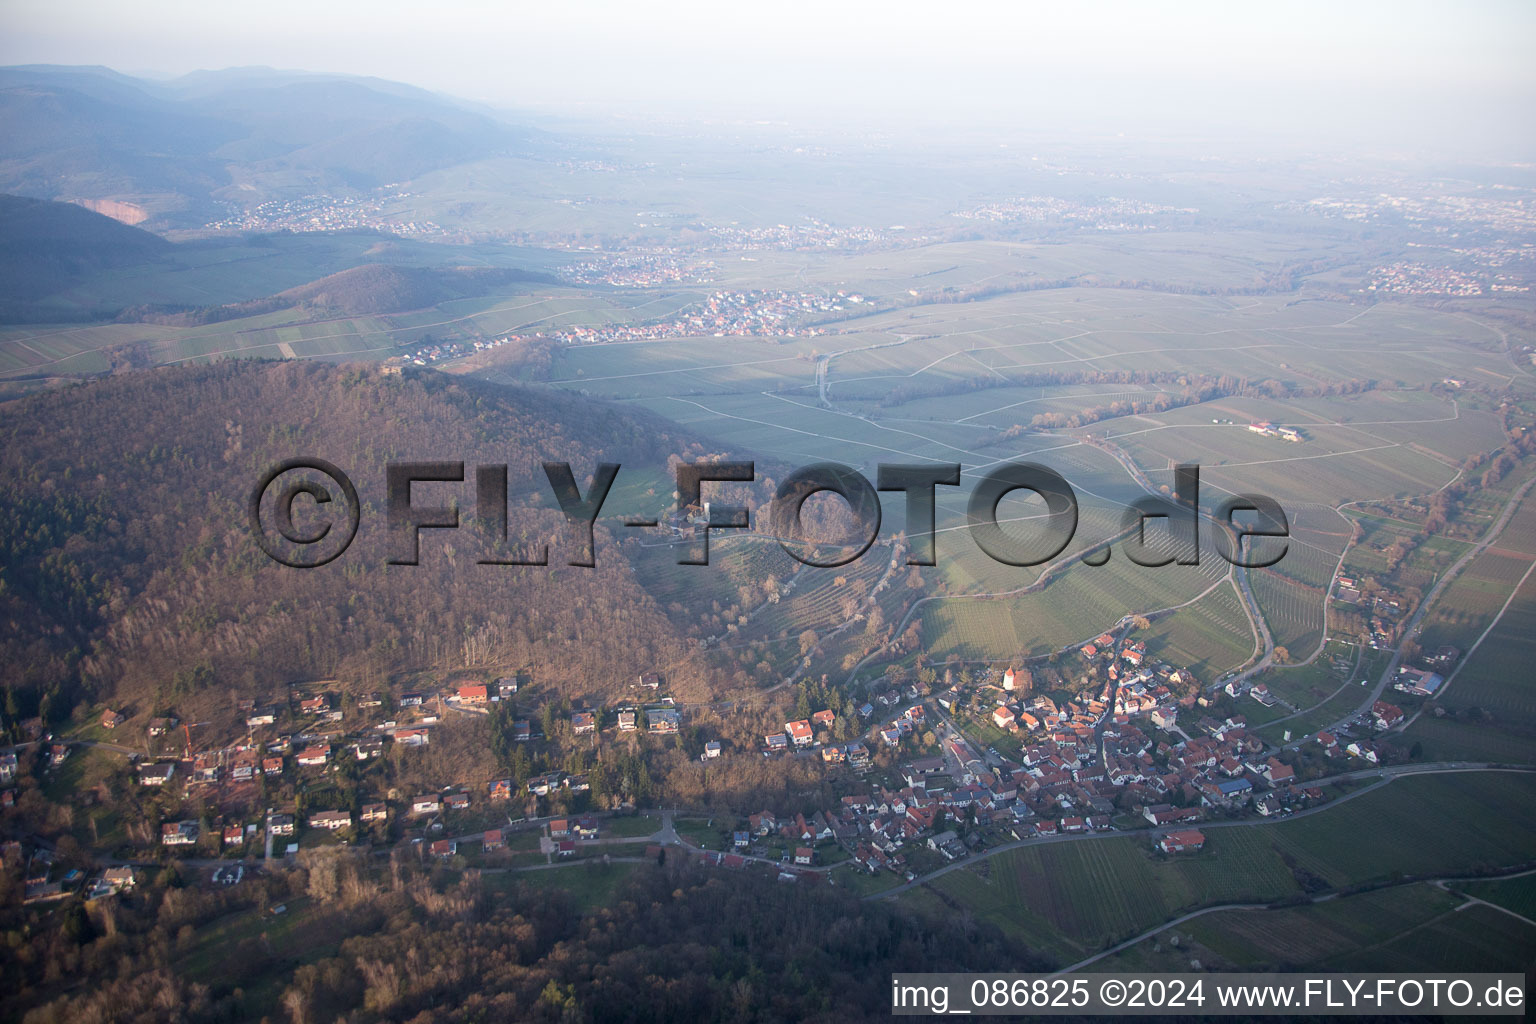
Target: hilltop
[[63, 263], [183, 148], [47, 247], [130, 573], [370, 289], [376, 288]]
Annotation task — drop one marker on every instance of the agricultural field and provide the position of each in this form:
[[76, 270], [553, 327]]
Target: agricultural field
[[1085, 895], [1402, 928], [1071, 608], [1482, 819], [1294, 612], [1496, 677], [908, 374], [1515, 894], [1449, 739], [1071, 898], [1467, 606], [1208, 637], [1294, 937], [1475, 939], [940, 382]]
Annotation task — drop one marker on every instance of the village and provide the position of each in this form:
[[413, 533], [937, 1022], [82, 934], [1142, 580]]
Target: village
[[936, 773], [364, 212], [640, 270], [755, 314], [1109, 214]]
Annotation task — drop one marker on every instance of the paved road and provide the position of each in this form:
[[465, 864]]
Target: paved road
[[1128, 943], [1441, 883], [1411, 627], [1445, 883], [1382, 777], [1266, 644], [1349, 680], [1260, 626]]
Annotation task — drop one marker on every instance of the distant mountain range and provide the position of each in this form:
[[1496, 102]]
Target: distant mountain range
[[178, 150], [53, 257]]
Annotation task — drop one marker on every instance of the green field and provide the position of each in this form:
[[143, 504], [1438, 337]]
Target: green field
[[1497, 676], [1446, 739], [1475, 939], [1403, 928], [1073, 898], [591, 885], [1321, 932], [1516, 894], [1208, 637]]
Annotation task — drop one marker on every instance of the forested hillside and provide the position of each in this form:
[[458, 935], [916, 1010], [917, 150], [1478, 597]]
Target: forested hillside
[[676, 942], [48, 247], [130, 573]]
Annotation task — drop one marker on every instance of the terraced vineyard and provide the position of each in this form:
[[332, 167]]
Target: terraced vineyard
[[1294, 612]]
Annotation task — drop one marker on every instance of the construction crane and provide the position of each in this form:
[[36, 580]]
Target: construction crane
[[186, 728]]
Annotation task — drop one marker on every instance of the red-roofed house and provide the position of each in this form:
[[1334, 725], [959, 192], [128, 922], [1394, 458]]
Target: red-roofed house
[[473, 693], [1186, 841], [1386, 715]]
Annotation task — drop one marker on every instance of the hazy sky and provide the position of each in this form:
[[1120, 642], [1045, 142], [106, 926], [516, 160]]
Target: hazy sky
[[1443, 74]]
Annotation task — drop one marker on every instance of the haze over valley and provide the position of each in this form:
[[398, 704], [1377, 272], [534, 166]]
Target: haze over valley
[[498, 782]]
